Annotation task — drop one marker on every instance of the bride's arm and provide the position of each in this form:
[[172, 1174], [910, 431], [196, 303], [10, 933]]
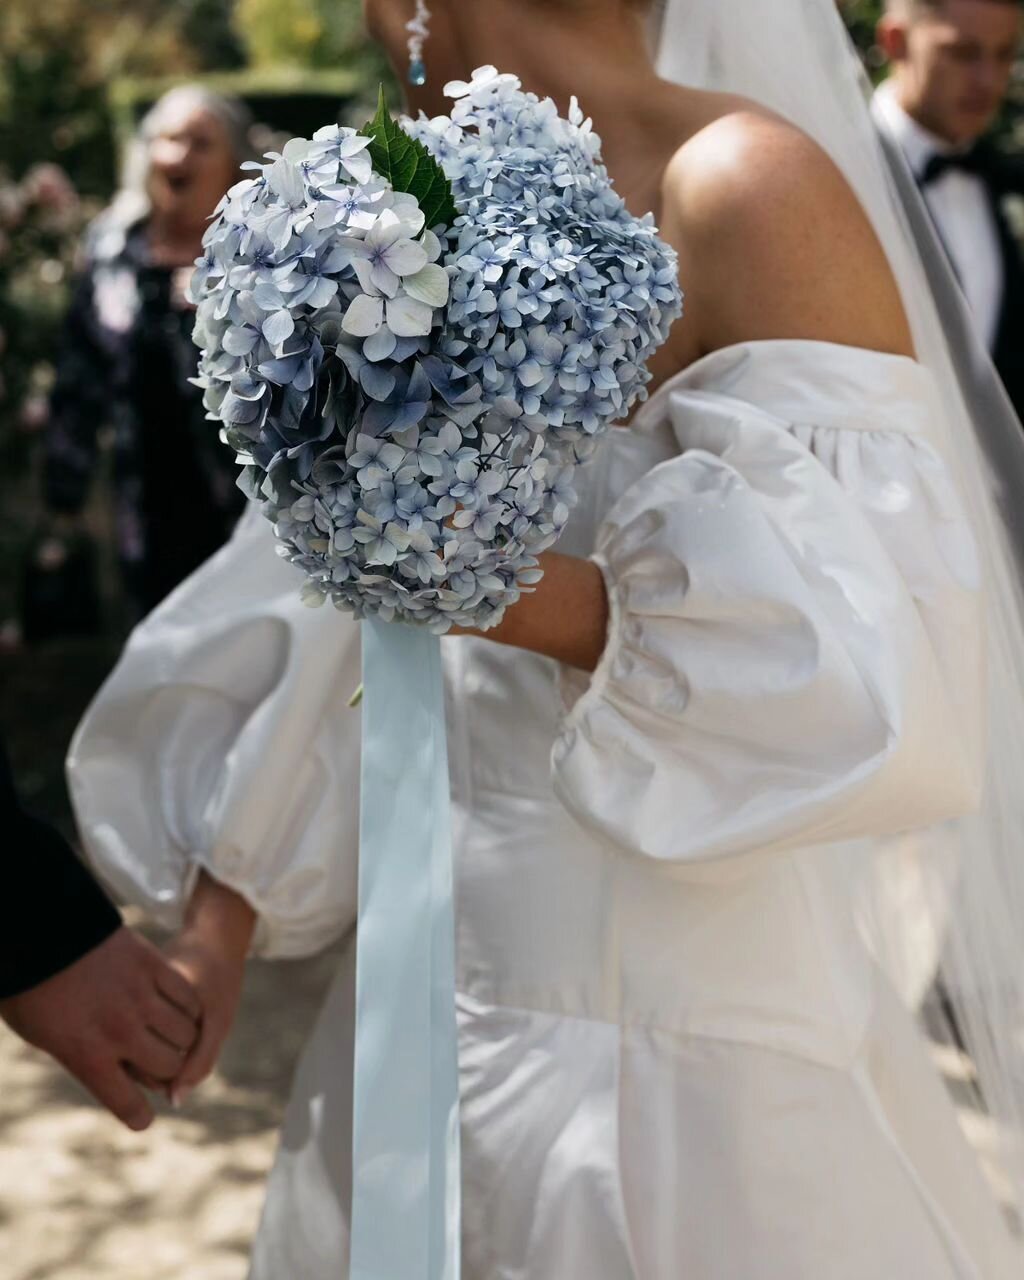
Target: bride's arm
[[772, 244], [565, 617], [210, 950], [244, 769]]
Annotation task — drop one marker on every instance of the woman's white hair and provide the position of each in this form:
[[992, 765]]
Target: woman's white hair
[[131, 203], [231, 113]]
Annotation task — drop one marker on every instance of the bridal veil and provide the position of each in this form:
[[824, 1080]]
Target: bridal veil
[[794, 57]]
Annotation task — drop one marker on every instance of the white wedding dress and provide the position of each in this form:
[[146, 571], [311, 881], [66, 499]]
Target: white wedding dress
[[678, 1059]]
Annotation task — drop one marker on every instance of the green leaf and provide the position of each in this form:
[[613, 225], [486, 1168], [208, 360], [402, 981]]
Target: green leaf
[[409, 166]]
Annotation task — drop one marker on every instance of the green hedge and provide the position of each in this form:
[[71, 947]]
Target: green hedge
[[286, 99]]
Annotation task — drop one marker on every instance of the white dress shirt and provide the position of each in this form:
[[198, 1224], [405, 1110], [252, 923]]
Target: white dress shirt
[[960, 208]]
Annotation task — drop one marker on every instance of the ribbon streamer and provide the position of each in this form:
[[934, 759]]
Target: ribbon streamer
[[406, 1176]]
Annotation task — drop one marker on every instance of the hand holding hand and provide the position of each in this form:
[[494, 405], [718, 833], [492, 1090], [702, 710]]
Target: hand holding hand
[[119, 1015], [210, 952]]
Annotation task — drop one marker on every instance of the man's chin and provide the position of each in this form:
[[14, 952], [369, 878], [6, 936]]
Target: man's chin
[[178, 212], [971, 125]]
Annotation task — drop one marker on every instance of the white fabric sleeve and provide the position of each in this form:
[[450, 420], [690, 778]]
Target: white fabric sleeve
[[794, 649], [223, 740]]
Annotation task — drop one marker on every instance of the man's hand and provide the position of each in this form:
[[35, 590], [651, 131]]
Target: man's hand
[[119, 1015]]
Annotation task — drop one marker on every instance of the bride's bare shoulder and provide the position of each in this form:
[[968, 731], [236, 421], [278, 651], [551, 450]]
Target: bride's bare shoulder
[[776, 242], [748, 160]]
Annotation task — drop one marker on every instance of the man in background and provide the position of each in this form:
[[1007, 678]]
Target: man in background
[[951, 66]]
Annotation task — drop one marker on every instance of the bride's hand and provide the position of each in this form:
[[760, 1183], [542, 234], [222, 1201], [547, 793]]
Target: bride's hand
[[210, 952]]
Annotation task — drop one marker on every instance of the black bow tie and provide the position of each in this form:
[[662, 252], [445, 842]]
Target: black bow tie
[[974, 161]]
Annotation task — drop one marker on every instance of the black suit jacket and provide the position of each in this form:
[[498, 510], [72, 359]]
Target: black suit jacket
[[1007, 180], [51, 909], [1002, 443]]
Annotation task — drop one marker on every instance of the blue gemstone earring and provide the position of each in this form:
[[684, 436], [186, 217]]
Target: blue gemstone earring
[[418, 28]]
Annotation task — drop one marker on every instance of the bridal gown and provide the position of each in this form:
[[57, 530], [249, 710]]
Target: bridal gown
[[678, 1058]]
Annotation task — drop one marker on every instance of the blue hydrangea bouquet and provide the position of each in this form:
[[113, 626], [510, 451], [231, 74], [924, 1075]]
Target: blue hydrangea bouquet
[[412, 335]]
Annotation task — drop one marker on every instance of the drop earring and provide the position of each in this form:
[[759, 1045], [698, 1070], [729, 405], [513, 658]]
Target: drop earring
[[418, 28]]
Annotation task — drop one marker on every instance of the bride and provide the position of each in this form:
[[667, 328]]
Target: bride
[[755, 667]]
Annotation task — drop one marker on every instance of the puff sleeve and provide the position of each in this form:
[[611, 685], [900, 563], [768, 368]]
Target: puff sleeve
[[223, 740], [794, 650]]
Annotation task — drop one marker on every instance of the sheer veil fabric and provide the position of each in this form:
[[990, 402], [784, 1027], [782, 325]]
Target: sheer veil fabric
[[794, 57]]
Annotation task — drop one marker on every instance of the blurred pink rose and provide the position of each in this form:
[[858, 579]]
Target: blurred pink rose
[[50, 189], [12, 204], [48, 184], [10, 635]]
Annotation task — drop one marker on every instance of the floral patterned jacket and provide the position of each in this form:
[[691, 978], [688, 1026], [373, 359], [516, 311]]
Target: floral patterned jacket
[[123, 367]]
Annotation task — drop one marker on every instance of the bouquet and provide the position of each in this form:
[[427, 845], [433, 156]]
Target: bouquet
[[412, 335]]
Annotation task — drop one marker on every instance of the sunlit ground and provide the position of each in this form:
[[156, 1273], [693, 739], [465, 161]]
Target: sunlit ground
[[83, 1199]]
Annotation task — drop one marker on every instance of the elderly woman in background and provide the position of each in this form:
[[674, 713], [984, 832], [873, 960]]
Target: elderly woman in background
[[126, 353]]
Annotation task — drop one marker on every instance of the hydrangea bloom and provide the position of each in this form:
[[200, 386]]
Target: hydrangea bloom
[[410, 403]]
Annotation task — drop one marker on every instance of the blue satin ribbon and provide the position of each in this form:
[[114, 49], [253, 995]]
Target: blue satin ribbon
[[405, 1193]]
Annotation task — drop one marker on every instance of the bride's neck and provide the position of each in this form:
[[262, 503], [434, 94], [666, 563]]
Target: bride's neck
[[603, 61]]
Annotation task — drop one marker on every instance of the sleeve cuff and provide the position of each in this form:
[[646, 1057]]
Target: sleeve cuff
[[580, 690], [58, 912]]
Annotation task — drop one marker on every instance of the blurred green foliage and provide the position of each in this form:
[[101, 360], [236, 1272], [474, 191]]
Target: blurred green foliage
[[302, 33], [861, 18], [63, 59]]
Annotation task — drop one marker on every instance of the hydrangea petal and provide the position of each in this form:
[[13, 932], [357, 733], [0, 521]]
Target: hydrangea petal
[[405, 257], [408, 318], [378, 383], [364, 316], [359, 167], [429, 285], [380, 345], [240, 341], [278, 327]]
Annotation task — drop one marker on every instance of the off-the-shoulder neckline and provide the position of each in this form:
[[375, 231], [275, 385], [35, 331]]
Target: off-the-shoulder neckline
[[842, 350]]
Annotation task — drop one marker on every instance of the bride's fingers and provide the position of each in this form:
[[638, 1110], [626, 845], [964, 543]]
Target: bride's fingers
[[175, 987], [199, 1062]]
